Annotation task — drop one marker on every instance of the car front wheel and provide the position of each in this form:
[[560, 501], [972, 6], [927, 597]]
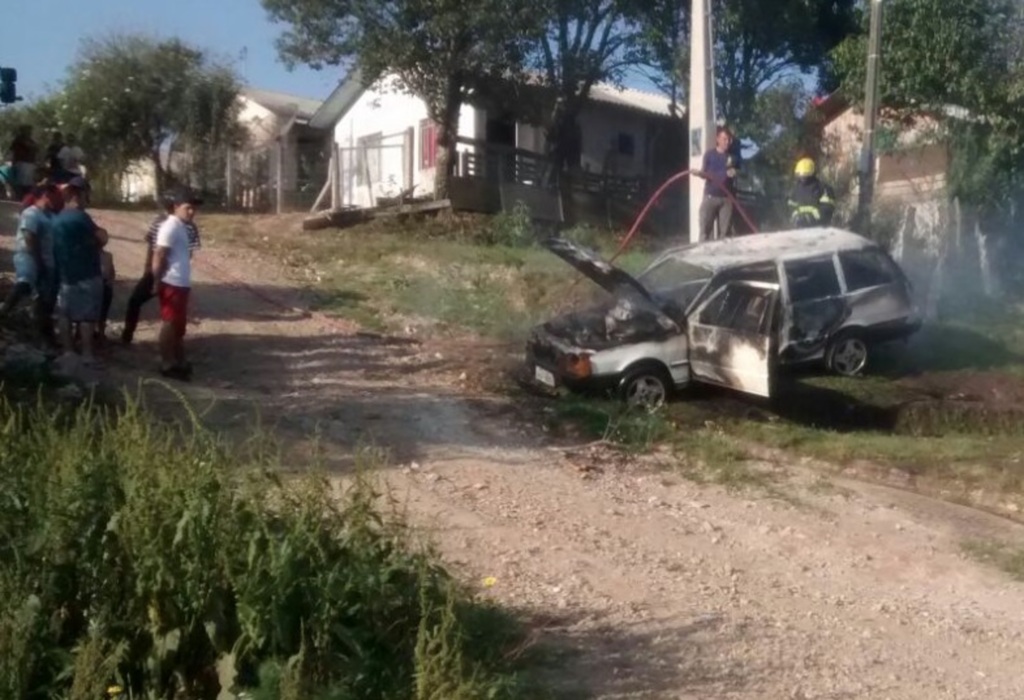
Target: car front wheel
[[847, 355], [645, 387]]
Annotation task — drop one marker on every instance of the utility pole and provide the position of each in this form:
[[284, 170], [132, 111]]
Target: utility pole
[[700, 111], [867, 154]]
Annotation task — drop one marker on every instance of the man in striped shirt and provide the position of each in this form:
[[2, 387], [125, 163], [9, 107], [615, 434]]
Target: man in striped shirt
[[143, 291]]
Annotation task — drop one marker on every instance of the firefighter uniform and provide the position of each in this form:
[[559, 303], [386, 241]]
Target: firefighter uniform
[[811, 202]]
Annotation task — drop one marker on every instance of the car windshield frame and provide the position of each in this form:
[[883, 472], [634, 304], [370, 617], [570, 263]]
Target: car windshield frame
[[701, 276]]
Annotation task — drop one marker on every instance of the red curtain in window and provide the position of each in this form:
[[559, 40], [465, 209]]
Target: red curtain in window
[[428, 144]]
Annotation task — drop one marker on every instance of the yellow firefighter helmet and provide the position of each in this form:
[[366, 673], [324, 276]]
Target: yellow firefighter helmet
[[804, 167]]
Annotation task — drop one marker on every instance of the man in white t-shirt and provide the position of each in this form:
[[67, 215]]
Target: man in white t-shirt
[[172, 275]]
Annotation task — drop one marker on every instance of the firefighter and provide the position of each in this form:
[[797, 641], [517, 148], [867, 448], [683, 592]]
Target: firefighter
[[812, 202]]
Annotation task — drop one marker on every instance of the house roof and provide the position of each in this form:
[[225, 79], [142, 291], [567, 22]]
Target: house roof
[[765, 247], [353, 86], [833, 105], [340, 101], [282, 103], [830, 106], [632, 98]]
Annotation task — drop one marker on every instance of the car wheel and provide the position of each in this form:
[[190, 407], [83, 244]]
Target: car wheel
[[847, 355], [645, 387]]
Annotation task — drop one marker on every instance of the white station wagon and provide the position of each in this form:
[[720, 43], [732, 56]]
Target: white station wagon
[[726, 312]]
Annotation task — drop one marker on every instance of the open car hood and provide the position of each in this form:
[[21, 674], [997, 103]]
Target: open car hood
[[612, 279], [634, 316]]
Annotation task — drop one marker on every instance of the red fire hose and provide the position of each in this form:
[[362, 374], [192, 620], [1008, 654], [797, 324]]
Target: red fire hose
[[665, 186]]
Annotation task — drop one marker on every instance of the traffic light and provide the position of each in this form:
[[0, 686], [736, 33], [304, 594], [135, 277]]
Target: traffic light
[[8, 89]]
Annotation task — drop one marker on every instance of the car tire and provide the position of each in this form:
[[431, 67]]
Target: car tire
[[847, 354], [646, 386]]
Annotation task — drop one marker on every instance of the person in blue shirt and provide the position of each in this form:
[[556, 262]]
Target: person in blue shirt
[[77, 244], [719, 169], [34, 265]]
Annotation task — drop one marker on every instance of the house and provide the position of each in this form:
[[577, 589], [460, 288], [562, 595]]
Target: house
[[277, 140], [911, 163], [283, 157], [385, 144]]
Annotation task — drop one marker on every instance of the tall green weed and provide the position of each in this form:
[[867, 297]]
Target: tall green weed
[[165, 564]]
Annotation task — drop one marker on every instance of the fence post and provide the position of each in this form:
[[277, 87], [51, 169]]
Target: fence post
[[279, 175], [337, 170], [229, 177], [408, 151]]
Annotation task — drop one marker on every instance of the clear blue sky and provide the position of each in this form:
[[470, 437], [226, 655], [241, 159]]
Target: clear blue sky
[[41, 38]]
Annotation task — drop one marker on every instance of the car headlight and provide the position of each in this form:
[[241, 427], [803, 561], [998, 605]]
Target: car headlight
[[577, 365]]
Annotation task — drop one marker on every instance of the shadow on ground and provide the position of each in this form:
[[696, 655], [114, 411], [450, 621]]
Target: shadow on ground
[[678, 658], [347, 390]]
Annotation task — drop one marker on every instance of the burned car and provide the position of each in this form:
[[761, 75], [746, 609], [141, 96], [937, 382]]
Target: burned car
[[726, 312]]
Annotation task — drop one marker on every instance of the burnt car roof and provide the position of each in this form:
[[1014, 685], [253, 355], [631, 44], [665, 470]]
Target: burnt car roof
[[762, 247], [610, 278]]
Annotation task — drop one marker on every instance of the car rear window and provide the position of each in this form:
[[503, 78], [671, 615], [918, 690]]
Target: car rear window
[[866, 268], [811, 279]]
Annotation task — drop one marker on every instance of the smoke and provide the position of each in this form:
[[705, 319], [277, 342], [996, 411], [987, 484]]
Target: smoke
[[960, 258]]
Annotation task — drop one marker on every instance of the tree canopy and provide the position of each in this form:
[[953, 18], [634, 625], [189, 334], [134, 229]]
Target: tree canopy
[[436, 49], [967, 55], [584, 42], [759, 46], [131, 97]]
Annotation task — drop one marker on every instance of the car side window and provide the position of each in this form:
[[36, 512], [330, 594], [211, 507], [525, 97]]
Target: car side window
[[865, 268], [738, 308], [809, 280]]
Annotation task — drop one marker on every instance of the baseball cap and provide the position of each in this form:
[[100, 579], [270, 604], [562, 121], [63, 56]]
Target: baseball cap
[[77, 182], [183, 196]]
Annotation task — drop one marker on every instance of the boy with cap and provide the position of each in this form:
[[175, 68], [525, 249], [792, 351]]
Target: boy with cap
[[143, 291], [172, 275]]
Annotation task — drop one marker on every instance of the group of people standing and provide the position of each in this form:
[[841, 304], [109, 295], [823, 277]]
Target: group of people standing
[[61, 264], [811, 201], [62, 160]]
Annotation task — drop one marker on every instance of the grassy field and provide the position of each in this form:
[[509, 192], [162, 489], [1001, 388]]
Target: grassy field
[[147, 561], [469, 276], [942, 408]]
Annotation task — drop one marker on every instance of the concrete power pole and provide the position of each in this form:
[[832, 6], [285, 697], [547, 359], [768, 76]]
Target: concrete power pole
[[700, 112], [867, 155]]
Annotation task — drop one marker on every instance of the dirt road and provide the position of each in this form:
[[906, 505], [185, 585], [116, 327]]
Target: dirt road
[[663, 588]]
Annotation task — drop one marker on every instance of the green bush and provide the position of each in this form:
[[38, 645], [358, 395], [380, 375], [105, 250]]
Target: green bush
[[162, 562], [512, 228]]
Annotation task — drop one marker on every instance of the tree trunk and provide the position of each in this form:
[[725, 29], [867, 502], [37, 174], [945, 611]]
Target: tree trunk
[[158, 176], [447, 133], [562, 147]]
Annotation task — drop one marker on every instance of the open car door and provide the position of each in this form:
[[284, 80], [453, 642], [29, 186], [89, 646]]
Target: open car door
[[730, 336]]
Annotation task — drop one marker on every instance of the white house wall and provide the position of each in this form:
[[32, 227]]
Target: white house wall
[[262, 127], [390, 113], [601, 126]]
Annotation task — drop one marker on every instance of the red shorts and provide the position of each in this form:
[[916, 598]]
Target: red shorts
[[174, 306]]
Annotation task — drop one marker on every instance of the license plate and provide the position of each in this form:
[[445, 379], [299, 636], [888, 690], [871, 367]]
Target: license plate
[[543, 376]]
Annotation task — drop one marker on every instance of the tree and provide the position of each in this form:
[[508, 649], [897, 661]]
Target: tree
[[132, 97], [40, 114], [960, 64], [758, 45], [437, 50], [584, 42], [966, 55]]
